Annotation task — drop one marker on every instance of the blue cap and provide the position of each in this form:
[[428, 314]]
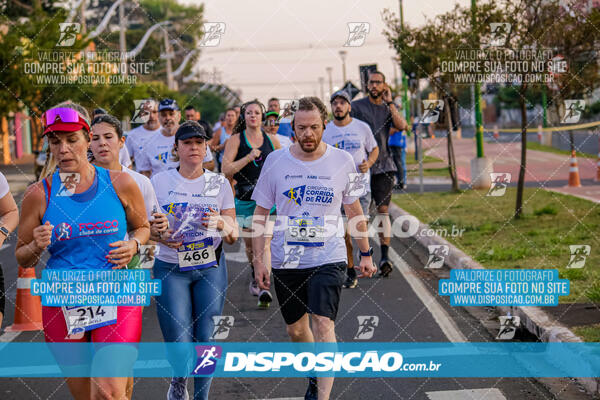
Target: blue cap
[[168, 104]]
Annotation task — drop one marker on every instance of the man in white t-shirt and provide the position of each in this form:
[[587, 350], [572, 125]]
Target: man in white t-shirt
[[134, 138], [355, 137], [308, 182], [124, 157], [156, 152]]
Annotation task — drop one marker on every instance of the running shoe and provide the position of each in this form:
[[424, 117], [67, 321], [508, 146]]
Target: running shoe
[[385, 267], [351, 278], [178, 389], [312, 392], [265, 299], [254, 290]]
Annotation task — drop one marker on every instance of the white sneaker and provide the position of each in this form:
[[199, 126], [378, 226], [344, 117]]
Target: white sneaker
[[254, 290]]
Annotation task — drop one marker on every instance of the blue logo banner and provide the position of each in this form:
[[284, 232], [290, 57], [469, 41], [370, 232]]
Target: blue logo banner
[[301, 359]]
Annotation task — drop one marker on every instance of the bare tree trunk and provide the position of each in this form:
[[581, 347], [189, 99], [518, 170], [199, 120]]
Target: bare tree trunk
[[451, 159], [521, 183]]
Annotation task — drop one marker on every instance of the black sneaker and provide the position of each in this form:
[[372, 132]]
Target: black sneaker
[[385, 267], [178, 389], [312, 392], [351, 278], [264, 299]]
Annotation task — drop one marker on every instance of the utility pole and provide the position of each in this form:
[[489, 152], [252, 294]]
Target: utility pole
[[481, 168], [478, 115]]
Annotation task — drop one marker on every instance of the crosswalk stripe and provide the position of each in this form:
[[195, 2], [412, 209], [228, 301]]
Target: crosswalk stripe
[[467, 394]]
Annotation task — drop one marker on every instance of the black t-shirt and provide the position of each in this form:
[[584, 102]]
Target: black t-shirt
[[248, 176], [207, 127], [379, 119]]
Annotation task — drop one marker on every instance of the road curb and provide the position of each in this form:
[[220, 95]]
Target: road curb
[[534, 319]]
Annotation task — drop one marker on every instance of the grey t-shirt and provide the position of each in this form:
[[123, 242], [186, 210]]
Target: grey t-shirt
[[379, 119]]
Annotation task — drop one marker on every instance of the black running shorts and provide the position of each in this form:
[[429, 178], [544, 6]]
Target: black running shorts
[[309, 290], [382, 186]]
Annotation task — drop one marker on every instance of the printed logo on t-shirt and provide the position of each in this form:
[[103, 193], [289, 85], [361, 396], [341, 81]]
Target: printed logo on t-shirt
[[317, 195], [162, 157], [63, 231], [347, 145], [295, 194]]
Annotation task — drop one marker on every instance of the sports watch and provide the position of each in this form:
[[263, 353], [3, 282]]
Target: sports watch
[[368, 253]]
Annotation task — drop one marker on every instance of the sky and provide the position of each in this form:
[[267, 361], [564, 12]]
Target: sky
[[281, 48]]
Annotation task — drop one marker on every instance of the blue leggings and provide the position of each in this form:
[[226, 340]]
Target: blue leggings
[[185, 308]]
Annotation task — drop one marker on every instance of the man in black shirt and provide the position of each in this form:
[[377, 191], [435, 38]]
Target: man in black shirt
[[380, 113]]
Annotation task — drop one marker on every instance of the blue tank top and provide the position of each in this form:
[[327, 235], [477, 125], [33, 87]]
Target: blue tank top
[[224, 136], [84, 224]]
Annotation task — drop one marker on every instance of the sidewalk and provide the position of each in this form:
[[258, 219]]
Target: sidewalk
[[544, 169]]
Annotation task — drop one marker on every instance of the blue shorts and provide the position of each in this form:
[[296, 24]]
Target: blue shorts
[[244, 210]]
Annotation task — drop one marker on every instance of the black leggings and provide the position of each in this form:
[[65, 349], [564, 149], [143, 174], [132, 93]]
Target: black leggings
[[1, 291]]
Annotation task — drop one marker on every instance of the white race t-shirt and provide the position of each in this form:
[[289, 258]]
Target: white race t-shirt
[[134, 139], [4, 188], [284, 141], [309, 231], [356, 138], [177, 194], [124, 158], [155, 154], [150, 201]]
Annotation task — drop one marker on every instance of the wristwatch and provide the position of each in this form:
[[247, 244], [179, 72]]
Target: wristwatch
[[390, 102], [4, 231], [368, 253]]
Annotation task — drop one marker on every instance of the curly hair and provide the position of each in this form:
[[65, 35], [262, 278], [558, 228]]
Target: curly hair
[[312, 103]]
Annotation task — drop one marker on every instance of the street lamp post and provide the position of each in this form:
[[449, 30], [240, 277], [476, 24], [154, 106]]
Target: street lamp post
[[329, 69], [321, 82], [343, 54]]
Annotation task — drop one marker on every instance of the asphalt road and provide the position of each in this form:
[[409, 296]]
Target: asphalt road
[[408, 308]]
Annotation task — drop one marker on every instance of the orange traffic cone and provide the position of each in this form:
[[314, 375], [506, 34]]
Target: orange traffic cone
[[539, 133], [574, 172], [28, 311], [496, 132]]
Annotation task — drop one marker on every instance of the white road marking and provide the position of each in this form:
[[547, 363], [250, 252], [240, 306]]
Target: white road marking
[[9, 336], [438, 312], [467, 394], [287, 398]]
